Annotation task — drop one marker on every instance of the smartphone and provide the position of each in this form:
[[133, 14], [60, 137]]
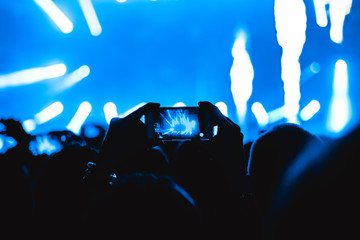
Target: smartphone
[[178, 124]]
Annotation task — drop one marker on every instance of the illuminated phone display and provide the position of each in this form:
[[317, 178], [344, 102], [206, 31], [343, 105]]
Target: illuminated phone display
[[175, 123]]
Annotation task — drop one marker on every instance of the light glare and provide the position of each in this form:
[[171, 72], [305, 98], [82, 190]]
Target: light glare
[[79, 118], [110, 111], [260, 114], [90, 17], [32, 75], [179, 104], [29, 125], [340, 107], [338, 9], [310, 110], [73, 78], [222, 107], [49, 112], [290, 23], [56, 15], [131, 110], [241, 74]]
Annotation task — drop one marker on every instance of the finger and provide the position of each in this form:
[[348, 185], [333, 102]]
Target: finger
[[230, 121], [147, 108], [215, 114]]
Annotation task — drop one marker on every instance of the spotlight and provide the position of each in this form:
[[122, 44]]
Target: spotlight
[[49, 113], [56, 15]]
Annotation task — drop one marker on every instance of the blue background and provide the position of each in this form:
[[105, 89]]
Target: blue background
[[166, 52]]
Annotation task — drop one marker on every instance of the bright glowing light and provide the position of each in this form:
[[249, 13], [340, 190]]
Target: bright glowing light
[[79, 118], [56, 15], [340, 107], [290, 23], [121, 1], [110, 111], [338, 9], [1, 143], [340, 84], [131, 110], [276, 114], [29, 125], [310, 110], [315, 67], [90, 17], [260, 114], [215, 130], [222, 107], [32, 75], [73, 78], [320, 12], [6, 142], [241, 74], [45, 145], [49, 113], [179, 104]]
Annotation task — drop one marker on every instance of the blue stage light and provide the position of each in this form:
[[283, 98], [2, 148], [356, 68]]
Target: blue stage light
[[242, 75], [32, 75], [310, 110], [222, 107], [56, 15], [290, 23], [260, 114], [179, 104], [340, 107], [6, 142], [337, 11], [79, 118], [72, 79], [91, 17], [110, 111], [49, 112], [29, 125], [133, 109]]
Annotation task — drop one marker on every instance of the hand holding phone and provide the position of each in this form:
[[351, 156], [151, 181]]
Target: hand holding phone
[[227, 147], [124, 137]]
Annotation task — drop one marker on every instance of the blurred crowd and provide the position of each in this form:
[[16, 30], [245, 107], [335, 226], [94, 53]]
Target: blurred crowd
[[288, 183]]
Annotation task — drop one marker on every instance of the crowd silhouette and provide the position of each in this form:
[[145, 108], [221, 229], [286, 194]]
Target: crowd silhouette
[[288, 183]]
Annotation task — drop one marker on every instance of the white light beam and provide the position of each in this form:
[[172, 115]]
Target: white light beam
[[73, 78], [241, 74], [260, 114], [110, 111], [222, 107], [131, 110], [49, 112], [79, 118], [310, 110], [32, 75], [90, 17], [56, 15], [340, 107], [290, 23]]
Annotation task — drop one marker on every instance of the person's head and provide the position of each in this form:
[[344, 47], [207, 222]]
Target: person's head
[[143, 205], [318, 196], [153, 160], [271, 153], [60, 193]]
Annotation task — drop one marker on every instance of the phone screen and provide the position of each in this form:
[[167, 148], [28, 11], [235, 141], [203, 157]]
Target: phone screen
[[176, 123]]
